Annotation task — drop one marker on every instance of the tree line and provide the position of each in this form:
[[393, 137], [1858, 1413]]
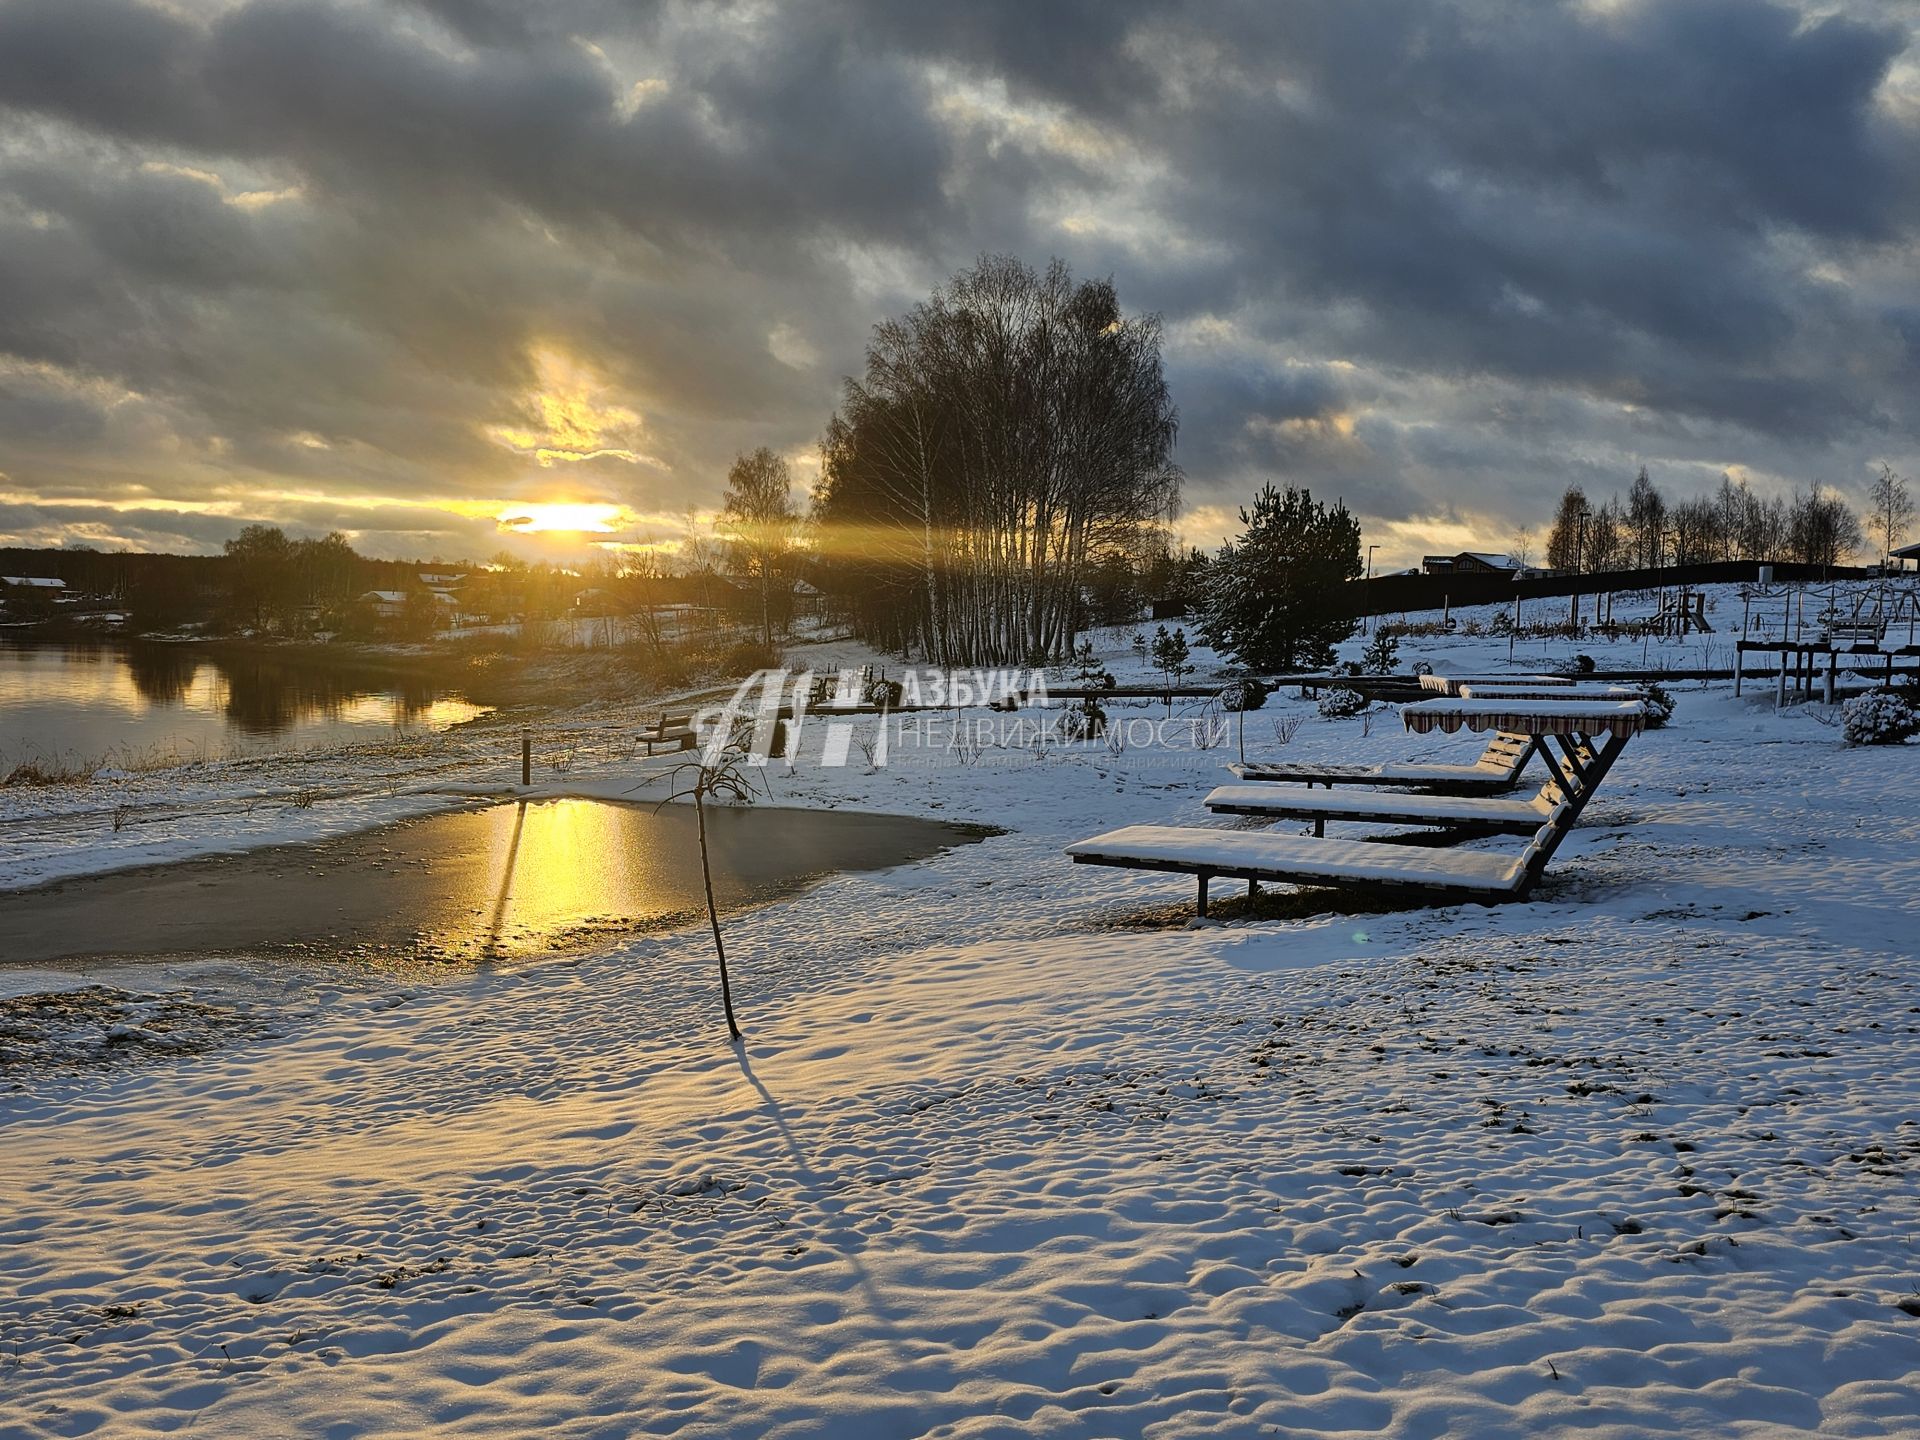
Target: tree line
[[1644, 531]]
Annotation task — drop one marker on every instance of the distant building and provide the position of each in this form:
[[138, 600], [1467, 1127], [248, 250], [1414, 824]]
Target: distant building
[[40, 584], [1483, 562], [442, 579], [387, 604], [1470, 562], [1905, 553]]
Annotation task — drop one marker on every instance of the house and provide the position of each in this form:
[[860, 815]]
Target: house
[[387, 604], [32, 596], [442, 579], [1901, 556], [1483, 562]]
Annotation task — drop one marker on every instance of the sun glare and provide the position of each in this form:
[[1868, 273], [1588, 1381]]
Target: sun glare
[[563, 517]]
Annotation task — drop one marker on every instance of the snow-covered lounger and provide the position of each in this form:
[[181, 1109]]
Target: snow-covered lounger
[[1498, 768], [1256, 855]]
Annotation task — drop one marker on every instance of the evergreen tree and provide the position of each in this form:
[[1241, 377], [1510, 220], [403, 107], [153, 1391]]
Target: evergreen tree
[[1276, 599], [1170, 658]]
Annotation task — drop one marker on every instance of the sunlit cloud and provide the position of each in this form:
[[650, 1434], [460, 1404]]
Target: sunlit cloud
[[569, 419]]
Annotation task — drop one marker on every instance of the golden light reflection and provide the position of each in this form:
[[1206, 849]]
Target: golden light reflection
[[555, 866]]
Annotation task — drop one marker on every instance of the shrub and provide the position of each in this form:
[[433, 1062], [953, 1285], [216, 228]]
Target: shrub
[[1578, 665], [1246, 693], [1878, 719], [1421, 667], [884, 693], [1659, 701], [1340, 703], [1381, 654], [746, 656]]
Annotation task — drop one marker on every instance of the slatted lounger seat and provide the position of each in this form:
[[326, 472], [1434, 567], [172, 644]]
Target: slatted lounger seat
[[1388, 807], [1521, 690], [1498, 768], [1451, 684]]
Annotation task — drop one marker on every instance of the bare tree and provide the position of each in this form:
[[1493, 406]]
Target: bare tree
[[1646, 519], [1006, 434], [1821, 528], [1520, 546], [1890, 508], [1566, 541], [758, 514]]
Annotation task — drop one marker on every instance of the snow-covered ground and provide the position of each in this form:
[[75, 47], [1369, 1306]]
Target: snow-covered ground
[[1013, 1150]]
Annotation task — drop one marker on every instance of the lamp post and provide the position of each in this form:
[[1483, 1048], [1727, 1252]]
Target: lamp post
[[1579, 541], [1363, 618]]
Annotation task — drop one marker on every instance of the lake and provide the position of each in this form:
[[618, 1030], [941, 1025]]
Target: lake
[[499, 882], [68, 706]]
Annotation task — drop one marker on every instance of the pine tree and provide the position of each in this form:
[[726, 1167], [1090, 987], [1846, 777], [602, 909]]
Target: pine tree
[[1170, 658], [1276, 599]]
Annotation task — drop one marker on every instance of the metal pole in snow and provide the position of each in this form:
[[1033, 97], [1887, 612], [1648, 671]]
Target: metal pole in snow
[[526, 755]]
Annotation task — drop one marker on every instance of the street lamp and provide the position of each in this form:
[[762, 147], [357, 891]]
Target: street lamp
[[1363, 617], [1579, 542]]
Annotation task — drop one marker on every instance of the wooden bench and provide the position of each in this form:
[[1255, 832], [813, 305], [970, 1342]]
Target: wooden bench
[[671, 732], [1854, 632]]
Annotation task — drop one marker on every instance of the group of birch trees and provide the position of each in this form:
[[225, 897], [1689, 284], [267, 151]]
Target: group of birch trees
[[1007, 436]]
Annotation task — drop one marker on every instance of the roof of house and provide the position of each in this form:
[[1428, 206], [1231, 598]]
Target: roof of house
[[34, 582], [386, 597], [1498, 562], [1908, 552]]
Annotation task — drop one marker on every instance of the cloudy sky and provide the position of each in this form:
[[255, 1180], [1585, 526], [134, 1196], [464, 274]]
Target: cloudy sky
[[412, 270]]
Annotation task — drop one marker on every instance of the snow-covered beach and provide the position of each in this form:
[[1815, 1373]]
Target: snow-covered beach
[[1013, 1150]]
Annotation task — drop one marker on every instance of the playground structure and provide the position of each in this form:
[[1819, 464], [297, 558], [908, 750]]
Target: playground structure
[[1805, 624]]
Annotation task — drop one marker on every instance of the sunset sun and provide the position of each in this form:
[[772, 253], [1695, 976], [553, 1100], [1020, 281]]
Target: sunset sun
[[563, 517]]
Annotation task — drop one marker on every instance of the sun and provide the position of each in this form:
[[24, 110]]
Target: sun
[[564, 517]]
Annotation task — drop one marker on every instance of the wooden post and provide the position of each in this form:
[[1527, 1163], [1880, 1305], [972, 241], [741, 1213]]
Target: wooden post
[[526, 756], [1253, 889], [1739, 666], [1833, 664], [1781, 701], [1200, 905]]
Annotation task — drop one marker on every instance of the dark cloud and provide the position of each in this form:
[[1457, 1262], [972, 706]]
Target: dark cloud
[[1438, 256]]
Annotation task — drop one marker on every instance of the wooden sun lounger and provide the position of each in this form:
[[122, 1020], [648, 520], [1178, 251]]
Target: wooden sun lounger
[[1559, 735], [1498, 768], [1256, 855]]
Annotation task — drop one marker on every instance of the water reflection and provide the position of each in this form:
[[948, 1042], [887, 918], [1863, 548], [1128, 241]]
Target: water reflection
[[507, 881], [140, 702]]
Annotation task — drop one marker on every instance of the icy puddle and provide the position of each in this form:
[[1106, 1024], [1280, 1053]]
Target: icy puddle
[[503, 882]]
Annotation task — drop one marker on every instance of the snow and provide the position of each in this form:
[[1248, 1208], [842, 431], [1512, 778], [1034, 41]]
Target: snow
[[1010, 1152], [1493, 690]]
